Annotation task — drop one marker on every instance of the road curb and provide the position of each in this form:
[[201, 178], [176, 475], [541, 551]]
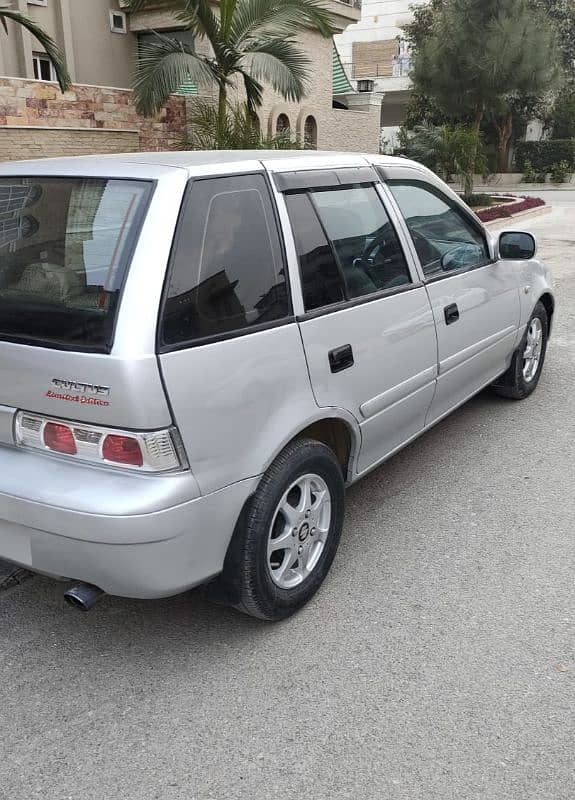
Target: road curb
[[531, 212]]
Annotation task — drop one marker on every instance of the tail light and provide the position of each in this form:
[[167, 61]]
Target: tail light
[[154, 451]]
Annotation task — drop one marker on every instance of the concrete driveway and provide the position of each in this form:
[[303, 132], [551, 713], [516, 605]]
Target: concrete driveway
[[437, 663]]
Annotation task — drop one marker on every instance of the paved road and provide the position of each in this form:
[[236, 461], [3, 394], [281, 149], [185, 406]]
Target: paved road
[[436, 664]]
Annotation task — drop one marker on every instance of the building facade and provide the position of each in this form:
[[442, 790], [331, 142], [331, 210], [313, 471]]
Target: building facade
[[100, 42], [376, 57]]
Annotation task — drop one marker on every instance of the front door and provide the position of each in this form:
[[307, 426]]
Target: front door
[[475, 301], [368, 329]]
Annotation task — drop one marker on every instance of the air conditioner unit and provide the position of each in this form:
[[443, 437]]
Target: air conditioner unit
[[365, 85]]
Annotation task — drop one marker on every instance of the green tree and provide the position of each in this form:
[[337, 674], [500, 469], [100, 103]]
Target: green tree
[[449, 151], [422, 109], [250, 40], [52, 51], [561, 13], [484, 59]]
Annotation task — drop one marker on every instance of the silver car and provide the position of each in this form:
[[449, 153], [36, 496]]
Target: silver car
[[199, 351]]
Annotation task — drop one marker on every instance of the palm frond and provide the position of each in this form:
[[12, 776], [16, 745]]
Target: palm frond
[[280, 63], [279, 17], [254, 91], [52, 50], [164, 65]]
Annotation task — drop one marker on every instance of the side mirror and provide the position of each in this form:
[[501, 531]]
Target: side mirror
[[515, 246]]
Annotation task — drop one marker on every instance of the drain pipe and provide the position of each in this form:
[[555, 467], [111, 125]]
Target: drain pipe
[[83, 596]]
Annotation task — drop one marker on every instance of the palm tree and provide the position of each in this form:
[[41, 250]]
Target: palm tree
[[250, 39], [49, 45]]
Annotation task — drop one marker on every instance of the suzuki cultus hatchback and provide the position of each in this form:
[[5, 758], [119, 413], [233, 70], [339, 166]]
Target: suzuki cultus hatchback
[[199, 351]]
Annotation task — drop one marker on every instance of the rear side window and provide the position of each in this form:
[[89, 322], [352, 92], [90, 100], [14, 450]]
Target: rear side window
[[227, 273], [65, 244], [322, 281]]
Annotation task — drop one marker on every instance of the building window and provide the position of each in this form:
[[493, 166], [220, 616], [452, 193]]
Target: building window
[[43, 69], [37, 2], [118, 22], [310, 133], [282, 124]]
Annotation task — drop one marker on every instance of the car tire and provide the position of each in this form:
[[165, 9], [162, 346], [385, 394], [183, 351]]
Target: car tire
[[523, 375], [257, 579]]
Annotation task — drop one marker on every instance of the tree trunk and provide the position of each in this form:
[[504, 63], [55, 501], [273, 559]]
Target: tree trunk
[[469, 178], [504, 131], [222, 100]]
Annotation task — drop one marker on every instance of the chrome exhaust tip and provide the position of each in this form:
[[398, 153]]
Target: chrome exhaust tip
[[83, 596]]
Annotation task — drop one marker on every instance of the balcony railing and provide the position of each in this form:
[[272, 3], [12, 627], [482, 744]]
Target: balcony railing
[[397, 67]]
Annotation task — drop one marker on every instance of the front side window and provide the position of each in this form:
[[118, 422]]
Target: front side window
[[346, 243], [64, 250], [227, 273], [444, 237]]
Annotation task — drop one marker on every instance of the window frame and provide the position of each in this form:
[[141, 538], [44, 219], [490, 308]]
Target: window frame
[[188, 344], [418, 179], [38, 56], [316, 184], [113, 27]]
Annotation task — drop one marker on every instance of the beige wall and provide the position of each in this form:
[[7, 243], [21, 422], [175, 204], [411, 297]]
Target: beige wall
[[81, 28], [102, 58]]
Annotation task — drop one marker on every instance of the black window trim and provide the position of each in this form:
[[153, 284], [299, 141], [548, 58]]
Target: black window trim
[[351, 302], [188, 344], [324, 178], [334, 308], [129, 254], [465, 212]]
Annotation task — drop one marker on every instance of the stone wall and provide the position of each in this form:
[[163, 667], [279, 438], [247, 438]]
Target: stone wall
[[96, 119], [33, 142]]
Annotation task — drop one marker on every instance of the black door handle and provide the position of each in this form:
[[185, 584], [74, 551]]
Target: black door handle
[[341, 358], [451, 314]]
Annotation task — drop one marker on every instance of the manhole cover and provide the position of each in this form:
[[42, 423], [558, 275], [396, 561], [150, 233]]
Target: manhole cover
[[10, 575]]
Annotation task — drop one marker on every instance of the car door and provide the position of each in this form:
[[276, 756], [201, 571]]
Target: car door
[[475, 299], [367, 325]]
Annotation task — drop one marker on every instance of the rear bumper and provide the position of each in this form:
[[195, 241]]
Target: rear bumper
[[156, 553]]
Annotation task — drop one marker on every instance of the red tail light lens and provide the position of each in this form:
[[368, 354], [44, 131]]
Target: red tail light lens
[[144, 451], [59, 438], [122, 450]]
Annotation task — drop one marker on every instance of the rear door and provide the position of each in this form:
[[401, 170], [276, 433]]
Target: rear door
[[475, 300], [367, 325], [230, 349]]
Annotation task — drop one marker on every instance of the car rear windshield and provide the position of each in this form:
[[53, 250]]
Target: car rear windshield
[[65, 244]]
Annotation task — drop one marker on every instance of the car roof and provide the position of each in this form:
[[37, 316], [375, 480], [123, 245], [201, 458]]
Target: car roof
[[193, 161]]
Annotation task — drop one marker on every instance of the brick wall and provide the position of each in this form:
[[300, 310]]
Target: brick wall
[[97, 110]]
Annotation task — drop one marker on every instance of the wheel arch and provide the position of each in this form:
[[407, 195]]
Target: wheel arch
[[337, 429], [549, 302]]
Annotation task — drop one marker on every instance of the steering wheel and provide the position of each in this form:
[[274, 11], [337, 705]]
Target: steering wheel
[[425, 250]]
